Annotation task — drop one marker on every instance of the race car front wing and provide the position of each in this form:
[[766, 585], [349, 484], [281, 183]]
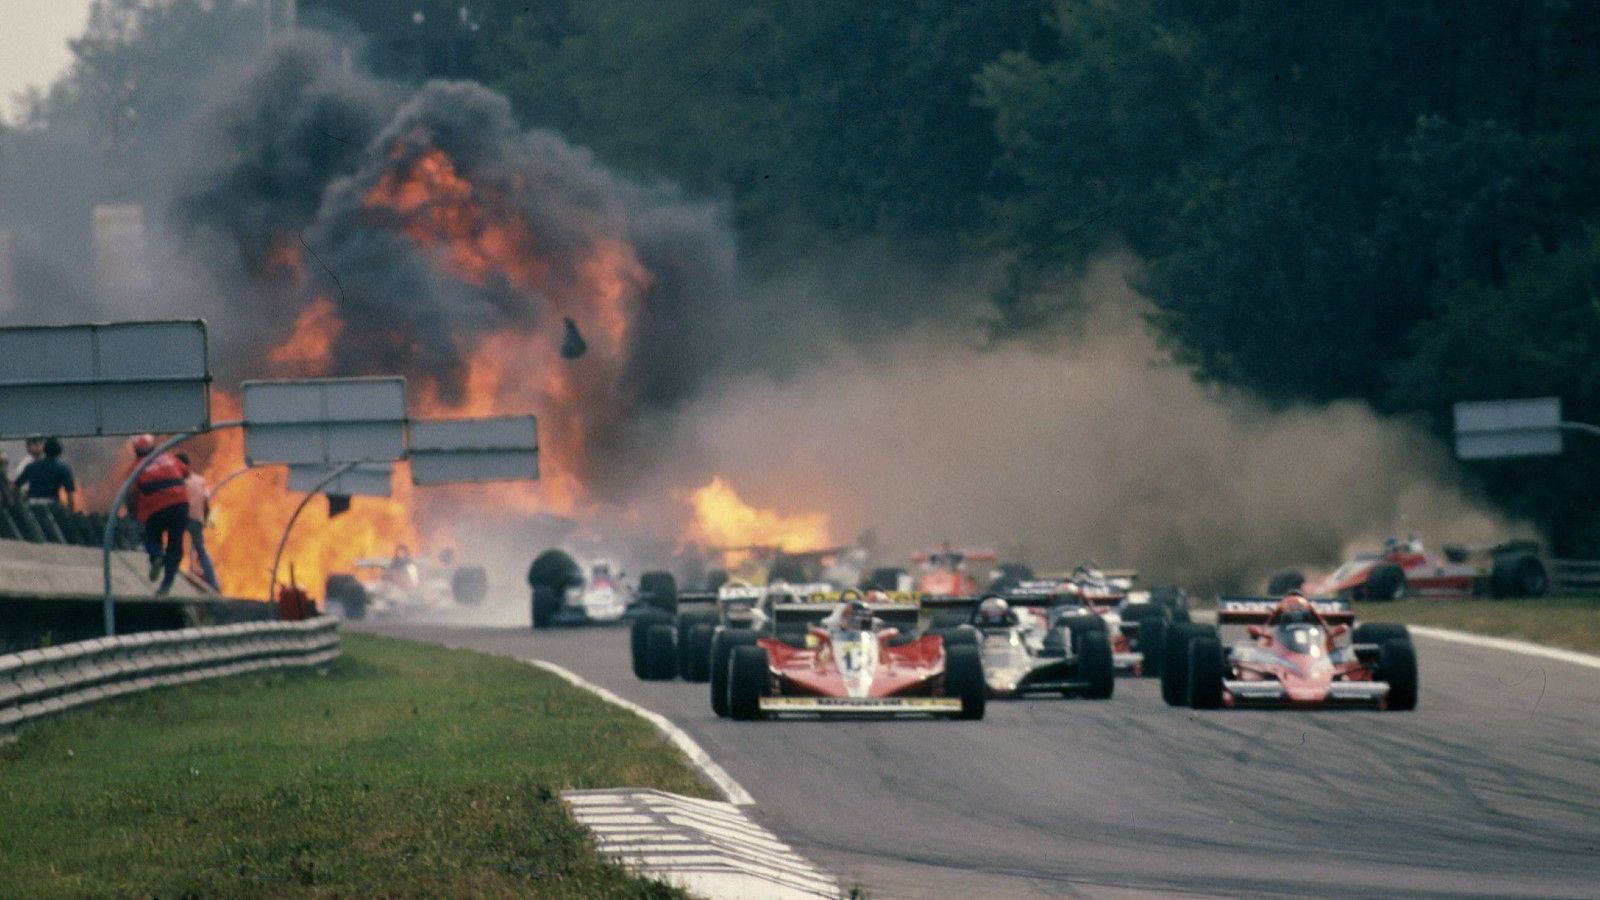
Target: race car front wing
[[861, 706]]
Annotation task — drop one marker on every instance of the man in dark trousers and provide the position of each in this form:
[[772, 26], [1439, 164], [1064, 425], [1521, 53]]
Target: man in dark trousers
[[160, 500], [44, 479]]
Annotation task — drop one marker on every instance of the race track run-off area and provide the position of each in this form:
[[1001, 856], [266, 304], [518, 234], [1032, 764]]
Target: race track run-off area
[[1484, 790]]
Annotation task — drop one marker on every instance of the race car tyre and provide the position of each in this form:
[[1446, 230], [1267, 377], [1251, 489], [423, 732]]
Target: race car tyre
[[469, 584], [1080, 626], [1397, 664], [956, 637], [659, 589], [749, 672], [685, 623], [944, 619], [639, 640], [963, 677], [660, 652], [350, 594], [1205, 673], [555, 569], [1096, 665], [1152, 644], [722, 646], [884, 579], [546, 601], [1518, 575], [1378, 632], [1384, 583], [1285, 581], [1175, 662], [699, 641]]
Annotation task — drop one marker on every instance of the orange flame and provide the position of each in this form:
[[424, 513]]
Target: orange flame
[[309, 349], [475, 236], [723, 519]]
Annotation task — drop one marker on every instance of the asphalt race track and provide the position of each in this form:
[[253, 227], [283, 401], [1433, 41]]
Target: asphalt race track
[[1486, 790]]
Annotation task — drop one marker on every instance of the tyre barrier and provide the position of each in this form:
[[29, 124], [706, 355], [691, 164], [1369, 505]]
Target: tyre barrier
[[39, 683]]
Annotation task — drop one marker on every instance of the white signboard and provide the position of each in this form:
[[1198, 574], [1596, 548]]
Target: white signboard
[[504, 448], [365, 480], [117, 378], [1503, 428], [324, 421]]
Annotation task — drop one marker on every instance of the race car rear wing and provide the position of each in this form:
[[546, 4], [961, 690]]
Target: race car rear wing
[[1255, 610], [800, 615]]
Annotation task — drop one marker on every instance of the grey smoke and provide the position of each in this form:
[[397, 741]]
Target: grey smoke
[[1082, 446]]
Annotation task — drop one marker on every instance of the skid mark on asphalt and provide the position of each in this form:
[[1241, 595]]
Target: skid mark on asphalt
[[707, 847]]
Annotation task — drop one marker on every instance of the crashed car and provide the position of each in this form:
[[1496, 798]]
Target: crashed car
[[1137, 620], [1033, 640], [1300, 653], [379, 585], [597, 593], [849, 662], [1406, 569]]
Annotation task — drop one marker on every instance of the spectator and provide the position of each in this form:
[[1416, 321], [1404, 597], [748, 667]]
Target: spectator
[[45, 479], [160, 500], [199, 512], [8, 491], [35, 445]]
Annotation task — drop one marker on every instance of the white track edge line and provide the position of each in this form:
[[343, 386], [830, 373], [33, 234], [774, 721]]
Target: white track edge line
[[702, 760], [1477, 640]]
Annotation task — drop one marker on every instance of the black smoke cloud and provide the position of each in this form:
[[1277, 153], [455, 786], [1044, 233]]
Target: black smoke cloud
[[294, 147]]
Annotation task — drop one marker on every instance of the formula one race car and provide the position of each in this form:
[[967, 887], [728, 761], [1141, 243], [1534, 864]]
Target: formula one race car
[[378, 585], [1294, 658], [1405, 569], [566, 593], [943, 573], [1033, 640], [850, 662], [1137, 620]]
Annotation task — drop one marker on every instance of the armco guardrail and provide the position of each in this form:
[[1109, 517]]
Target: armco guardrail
[[1575, 576], [38, 683]]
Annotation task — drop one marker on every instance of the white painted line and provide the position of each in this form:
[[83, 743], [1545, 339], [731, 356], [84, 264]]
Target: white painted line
[[702, 760], [1477, 640]]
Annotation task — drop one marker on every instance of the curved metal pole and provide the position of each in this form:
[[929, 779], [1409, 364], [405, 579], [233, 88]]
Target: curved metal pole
[[237, 472], [108, 537], [1581, 426], [272, 586]]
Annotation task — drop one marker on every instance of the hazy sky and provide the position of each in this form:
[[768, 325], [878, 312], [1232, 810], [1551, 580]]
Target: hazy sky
[[33, 43]]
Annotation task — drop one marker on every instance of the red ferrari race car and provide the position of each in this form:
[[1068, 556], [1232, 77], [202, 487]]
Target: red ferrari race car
[[1294, 658], [940, 573], [1405, 569], [849, 663]]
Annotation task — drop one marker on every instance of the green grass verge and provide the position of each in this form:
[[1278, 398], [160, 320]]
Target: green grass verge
[[1569, 622], [407, 770]]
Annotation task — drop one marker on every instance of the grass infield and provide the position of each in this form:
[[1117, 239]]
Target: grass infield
[[407, 770], [1572, 623]]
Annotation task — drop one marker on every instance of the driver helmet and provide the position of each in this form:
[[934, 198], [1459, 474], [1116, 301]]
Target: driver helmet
[[1296, 610], [855, 616], [876, 595], [993, 612]]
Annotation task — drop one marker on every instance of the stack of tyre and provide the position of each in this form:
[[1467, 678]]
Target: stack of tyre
[[1196, 663], [666, 643]]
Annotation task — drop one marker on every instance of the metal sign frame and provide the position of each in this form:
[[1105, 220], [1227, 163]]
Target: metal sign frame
[[454, 451], [1499, 429], [110, 378], [362, 480], [324, 421]]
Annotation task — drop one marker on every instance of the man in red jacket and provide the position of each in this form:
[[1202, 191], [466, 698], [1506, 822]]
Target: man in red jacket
[[160, 500]]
